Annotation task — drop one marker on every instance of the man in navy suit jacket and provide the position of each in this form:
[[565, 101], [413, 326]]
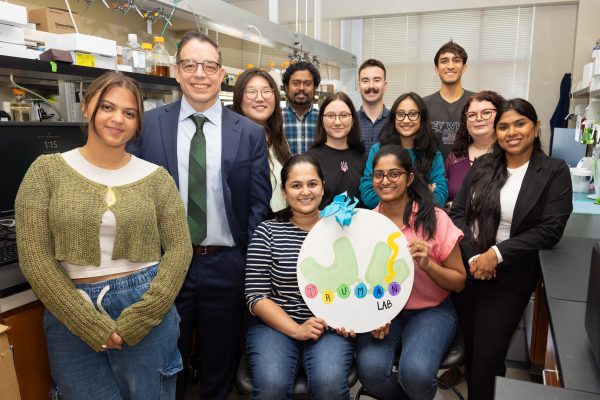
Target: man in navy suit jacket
[[237, 198]]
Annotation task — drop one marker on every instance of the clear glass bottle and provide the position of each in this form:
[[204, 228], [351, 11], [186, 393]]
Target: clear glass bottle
[[134, 55], [148, 53], [160, 58], [19, 107]]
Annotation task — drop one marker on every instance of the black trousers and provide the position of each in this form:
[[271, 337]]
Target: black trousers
[[210, 304], [488, 313]]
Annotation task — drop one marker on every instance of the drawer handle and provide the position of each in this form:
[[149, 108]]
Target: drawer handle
[[552, 377]]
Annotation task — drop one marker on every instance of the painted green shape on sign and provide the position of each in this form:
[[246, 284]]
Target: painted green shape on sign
[[344, 269], [377, 271]]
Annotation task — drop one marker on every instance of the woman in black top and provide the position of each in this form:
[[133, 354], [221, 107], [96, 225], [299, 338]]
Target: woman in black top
[[338, 147], [514, 202]]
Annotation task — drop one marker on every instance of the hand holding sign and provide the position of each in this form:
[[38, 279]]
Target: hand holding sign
[[357, 277]]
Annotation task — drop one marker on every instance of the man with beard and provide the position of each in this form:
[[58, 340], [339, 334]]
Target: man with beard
[[373, 113], [299, 116], [446, 105]]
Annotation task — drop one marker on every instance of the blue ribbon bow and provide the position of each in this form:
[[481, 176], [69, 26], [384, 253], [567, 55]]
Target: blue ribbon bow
[[341, 208]]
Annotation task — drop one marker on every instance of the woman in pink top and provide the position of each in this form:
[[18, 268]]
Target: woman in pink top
[[425, 328]]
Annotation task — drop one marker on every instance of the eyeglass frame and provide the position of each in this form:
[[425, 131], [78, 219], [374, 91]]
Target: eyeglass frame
[[479, 114], [269, 90], [386, 175], [406, 114], [337, 116], [199, 63]]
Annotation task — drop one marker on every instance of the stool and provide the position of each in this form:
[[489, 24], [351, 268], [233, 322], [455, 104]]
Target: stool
[[455, 357], [243, 379]]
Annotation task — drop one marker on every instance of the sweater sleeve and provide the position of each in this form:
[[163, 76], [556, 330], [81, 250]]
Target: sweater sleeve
[[136, 321], [259, 261], [369, 197], [438, 176], [48, 279]]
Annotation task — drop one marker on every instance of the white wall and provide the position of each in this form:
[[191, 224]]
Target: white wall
[[551, 58], [347, 9], [588, 30]]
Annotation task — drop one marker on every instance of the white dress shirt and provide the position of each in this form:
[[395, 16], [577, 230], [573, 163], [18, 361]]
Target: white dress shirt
[[508, 199], [218, 232]]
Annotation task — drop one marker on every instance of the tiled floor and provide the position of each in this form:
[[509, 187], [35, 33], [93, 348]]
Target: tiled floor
[[513, 373]]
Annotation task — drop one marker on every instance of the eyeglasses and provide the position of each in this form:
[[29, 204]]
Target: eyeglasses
[[392, 175], [412, 115], [252, 94], [190, 66], [483, 115], [330, 118]]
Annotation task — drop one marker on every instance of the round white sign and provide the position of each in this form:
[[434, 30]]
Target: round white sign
[[358, 277]]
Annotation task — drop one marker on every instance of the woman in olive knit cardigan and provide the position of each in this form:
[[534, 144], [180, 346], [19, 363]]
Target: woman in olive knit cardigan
[[103, 241]]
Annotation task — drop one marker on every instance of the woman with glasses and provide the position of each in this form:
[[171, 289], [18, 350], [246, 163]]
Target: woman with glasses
[[425, 328], [514, 201], [408, 125], [257, 97], [286, 336], [338, 147], [474, 138]]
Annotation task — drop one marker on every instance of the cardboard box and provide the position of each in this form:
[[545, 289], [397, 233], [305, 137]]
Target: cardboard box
[[9, 387], [12, 14], [82, 43], [54, 20], [12, 34]]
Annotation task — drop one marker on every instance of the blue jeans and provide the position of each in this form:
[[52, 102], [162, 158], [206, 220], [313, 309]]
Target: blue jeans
[[146, 371], [423, 337], [275, 359]]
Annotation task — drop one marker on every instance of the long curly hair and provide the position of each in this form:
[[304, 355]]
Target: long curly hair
[[425, 141], [417, 192]]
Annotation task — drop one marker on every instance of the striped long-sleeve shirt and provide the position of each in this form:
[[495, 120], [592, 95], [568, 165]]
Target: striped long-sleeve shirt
[[271, 268]]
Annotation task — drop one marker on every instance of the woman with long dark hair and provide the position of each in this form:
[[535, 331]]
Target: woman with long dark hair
[[408, 126], [474, 137], [514, 202], [285, 334], [338, 147], [257, 97], [425, 328]]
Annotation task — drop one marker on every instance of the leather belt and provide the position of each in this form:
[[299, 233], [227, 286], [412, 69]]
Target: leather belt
[[207, 249]]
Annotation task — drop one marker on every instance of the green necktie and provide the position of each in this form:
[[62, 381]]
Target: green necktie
[[197, 183]]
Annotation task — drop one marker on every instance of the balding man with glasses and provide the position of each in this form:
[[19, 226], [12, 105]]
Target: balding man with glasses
[[219, 161]]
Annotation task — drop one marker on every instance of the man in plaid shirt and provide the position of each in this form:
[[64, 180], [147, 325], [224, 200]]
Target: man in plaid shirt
[[299, 116]]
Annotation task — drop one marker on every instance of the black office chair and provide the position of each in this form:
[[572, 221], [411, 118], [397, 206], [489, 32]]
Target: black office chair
[[454, 357], [243, 379]]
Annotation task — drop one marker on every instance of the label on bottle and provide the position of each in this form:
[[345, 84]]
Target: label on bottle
[[138, 59]]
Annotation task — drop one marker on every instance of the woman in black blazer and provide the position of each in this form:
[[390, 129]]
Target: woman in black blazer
[[513, 202]]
